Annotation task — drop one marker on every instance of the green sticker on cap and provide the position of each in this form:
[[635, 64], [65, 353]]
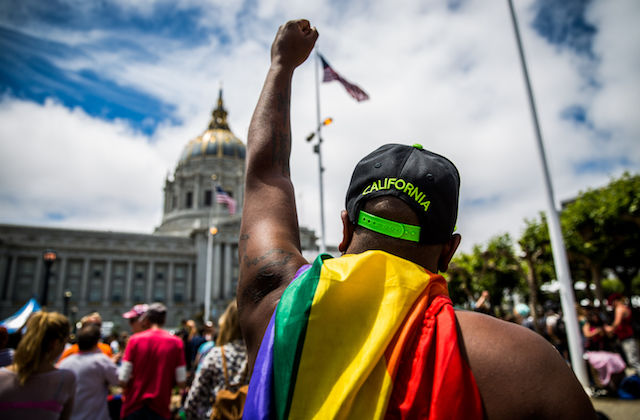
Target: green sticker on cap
[[418, 146]]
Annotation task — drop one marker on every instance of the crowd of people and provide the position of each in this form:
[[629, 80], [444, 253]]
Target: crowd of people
[[156, 374], [151, 374], [608, 337]]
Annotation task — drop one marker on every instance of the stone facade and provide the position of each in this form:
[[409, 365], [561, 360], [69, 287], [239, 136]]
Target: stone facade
[[109, 272]]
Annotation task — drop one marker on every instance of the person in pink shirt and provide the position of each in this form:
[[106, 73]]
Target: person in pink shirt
[[153, 363]]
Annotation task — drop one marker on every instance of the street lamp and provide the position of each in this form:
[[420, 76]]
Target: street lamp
[[212, 231], [67, 299], [316, 149], [49, 256]]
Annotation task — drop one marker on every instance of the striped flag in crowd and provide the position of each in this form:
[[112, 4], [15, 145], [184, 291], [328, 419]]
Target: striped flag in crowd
[[223, 197], [331, 75]]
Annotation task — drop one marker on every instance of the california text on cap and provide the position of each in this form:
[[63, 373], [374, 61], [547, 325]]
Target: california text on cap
[[427, 182]]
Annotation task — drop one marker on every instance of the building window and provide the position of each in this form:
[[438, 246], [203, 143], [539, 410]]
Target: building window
[[208, 198], [179, 283], [22, 291], [174, 202], [74, 278], [189, 201], [160, 283], [118, 277], [5, 283], [96, 282], [53, 283], [139, 283]]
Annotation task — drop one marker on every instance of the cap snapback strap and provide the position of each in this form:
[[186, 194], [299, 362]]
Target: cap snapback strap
[[389, 227]]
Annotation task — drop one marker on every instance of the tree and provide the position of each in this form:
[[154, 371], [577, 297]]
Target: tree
[[602, 230], [536, 255], [494, 268], [460, 277]]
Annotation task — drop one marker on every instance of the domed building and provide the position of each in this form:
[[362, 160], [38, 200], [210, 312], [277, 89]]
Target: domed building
[[213, 160], [109, 272]]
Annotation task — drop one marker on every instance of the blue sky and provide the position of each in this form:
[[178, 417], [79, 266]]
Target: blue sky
[[35, 66], [118, 88]]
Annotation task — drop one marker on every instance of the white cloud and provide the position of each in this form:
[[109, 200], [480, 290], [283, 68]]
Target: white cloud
[[450, 81]]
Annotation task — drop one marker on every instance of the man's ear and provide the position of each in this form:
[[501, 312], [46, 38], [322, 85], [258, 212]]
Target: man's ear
[[347, 232], [447, 252]]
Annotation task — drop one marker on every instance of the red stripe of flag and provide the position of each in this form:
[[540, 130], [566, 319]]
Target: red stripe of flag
[[222, 197], [329, 75]]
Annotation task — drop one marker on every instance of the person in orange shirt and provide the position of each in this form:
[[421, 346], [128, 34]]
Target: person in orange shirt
[[93, 318]]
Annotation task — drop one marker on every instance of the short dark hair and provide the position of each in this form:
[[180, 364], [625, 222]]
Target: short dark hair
[[156, 314], [88, 337]]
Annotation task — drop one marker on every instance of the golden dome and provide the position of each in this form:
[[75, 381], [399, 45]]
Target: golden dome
[[216, 141]]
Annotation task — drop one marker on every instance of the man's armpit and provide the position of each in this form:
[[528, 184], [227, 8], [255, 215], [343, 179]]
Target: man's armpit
[[269, 272], [273, 258]]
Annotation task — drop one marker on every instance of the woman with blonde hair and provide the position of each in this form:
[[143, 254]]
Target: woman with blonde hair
[[32, 388], [224, 367]]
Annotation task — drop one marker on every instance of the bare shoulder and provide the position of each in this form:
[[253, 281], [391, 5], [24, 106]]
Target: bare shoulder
[[519, 374]]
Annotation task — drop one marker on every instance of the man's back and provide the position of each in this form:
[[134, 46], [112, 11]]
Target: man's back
[[154, 355], [403, 200], [95, 372], [519, 374]]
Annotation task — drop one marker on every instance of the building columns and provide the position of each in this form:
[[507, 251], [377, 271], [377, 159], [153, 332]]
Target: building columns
[[59, 292], [228, 293], [84, 283], [38, 279], [150, 277], [12, 278], [170, 280], [107, 282], [196, 192], [189, 285], [4, 284], [216, 267], [128, 284]]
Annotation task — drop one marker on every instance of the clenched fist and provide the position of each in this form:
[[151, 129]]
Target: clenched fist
[[293, 43]]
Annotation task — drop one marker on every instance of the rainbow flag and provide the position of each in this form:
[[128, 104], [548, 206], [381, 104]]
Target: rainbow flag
[[364, 336]]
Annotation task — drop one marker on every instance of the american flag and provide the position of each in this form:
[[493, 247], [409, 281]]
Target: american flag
[[223, 197], [331, 75]]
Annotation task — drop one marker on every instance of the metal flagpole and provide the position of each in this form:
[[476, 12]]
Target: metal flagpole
[[210, 233], [317, 149], [207, 284], [567, 297]]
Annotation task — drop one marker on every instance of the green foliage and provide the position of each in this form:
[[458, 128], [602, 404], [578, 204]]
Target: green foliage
[[601, 229], [494, 268], [612, 286], [460, 277], [536, 247]]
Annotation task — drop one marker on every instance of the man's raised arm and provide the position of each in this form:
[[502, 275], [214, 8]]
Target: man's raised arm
[[269, 247]]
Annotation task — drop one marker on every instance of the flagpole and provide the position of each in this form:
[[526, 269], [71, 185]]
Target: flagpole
[[207, 284], [317, 149], [567, 298], [213, 217]]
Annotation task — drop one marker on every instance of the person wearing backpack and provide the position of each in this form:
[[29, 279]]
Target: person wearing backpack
[[220, 386]]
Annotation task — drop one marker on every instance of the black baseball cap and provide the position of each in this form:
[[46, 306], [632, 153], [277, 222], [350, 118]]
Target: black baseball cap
[[429, 183]]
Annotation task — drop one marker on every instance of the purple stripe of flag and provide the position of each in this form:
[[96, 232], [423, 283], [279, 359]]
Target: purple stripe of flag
[[259, 403]]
